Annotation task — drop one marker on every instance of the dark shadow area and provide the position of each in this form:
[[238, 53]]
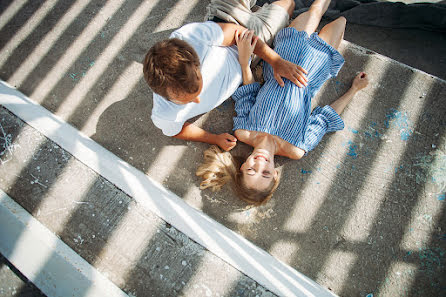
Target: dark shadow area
[[122, 61], [29, 189], [19, 20], [422, 50], [27, 46], [398, 209], [10, 277], [125, 128], [167, 264], [4, 5]]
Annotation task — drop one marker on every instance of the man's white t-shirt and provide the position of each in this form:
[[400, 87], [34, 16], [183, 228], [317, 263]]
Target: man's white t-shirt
[[221, 73]]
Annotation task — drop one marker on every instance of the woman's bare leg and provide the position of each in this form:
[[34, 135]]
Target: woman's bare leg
[[333, 32], [309, 20], [287, 4]]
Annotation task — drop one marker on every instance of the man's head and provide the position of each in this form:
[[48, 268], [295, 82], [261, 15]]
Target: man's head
[[172, 70]]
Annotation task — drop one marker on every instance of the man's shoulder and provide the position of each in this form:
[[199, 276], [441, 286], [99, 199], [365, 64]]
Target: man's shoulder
[[208, 32], [165, 109]]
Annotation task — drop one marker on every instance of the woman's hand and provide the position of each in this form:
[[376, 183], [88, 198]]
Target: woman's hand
[[361, 81], [226, 141], [291, 71], [246, 42]]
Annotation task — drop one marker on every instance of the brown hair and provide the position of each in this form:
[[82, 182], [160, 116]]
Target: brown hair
[[219, 167], [173, 65]]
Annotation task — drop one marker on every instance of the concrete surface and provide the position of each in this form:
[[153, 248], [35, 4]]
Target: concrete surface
[[13, 283], [362, 214], [135, 249]]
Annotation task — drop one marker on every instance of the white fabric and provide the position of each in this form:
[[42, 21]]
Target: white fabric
[[220, 70]]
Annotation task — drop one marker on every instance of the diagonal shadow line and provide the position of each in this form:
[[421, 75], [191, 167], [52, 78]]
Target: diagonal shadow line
[[5, 6], [88, 104], [283, 198], [28, 193], [85, 56], [50, 46], [431, 262], [28, 45], [332, 212], [322, 216], [26, 288], [401, 198], [14, 25]]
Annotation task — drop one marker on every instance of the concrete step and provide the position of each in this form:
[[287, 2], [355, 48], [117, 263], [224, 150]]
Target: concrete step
[[117, 236], [138, 251], [362, 214]]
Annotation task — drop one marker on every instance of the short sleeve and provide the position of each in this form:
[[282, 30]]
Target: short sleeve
[[169, 128], [321, 121], [244, 98], [337, 61], [209, 33]]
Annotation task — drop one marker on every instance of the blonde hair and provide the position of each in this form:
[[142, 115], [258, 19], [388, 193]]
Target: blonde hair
[[220, 167]]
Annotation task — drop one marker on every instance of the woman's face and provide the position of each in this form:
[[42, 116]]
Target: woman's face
[[258, 170]]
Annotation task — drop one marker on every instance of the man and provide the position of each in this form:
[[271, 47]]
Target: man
[[197, 68]]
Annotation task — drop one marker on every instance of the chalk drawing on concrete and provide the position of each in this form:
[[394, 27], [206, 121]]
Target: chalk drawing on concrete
[[398, 120], [87, 64], [431, 169], [7, 147], [352, 149]]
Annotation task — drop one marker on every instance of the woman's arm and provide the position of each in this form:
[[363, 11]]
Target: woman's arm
[[246, 42]]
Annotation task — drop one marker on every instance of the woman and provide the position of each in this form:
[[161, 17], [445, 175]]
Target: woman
[[276, 120]]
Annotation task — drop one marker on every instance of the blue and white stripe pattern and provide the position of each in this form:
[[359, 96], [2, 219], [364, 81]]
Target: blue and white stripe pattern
[[285, 111]]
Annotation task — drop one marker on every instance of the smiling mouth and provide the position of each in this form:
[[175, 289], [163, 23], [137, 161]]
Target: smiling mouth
[[261, 156]]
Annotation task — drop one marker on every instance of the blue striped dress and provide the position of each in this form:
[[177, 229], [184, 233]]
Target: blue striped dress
[[286, 111]]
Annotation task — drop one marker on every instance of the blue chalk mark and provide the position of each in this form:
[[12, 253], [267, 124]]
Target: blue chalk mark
[[398, 168], [369, 295], [352, 150], [441, 197], [399, 120], [353, 130], [338, 166], [305, 171]]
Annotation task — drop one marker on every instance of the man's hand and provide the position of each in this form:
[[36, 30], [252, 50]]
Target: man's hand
[[226, 141], [291, 71]]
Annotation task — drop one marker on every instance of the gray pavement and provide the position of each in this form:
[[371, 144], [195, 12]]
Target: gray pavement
[[136, 250], [13, 283], [362, 214]]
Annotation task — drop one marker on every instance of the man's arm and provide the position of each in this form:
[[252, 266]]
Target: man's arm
[[282, 68], [191, 132]]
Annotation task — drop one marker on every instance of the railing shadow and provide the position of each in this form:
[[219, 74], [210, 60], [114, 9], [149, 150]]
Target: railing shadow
[[347, 160]]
